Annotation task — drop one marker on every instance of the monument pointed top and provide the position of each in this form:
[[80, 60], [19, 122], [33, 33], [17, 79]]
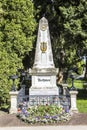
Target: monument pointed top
[[43, 19], [43, 55], [43, 23]]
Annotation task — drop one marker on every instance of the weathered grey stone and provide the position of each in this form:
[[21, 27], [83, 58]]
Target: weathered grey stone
[[43, 71], [43, 55]]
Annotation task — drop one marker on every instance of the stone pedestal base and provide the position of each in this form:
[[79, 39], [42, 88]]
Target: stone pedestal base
[[43, 84], [43, 95], [44, 90], [73, 95], [73, 110], [13, 98]]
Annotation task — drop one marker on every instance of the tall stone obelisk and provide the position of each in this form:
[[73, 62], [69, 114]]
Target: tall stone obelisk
[[43, 71]]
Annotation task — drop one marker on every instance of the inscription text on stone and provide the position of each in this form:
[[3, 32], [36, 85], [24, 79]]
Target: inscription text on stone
[[43, 80]]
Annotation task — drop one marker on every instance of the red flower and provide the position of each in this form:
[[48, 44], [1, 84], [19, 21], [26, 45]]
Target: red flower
[[19, 109]]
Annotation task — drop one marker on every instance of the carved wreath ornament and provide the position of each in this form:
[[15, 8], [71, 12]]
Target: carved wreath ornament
[[43, 27]]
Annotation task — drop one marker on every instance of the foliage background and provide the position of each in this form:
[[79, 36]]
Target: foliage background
[[18, 25], [68, 28]]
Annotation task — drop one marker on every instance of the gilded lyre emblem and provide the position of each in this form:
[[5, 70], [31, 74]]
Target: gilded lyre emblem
[[43, 46]]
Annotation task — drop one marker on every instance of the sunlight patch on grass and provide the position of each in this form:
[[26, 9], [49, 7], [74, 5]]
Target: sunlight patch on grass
[[82, 105], [77, 83]]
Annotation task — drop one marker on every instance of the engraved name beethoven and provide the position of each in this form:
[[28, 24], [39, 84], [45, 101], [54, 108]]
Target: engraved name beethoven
[[44, 80]]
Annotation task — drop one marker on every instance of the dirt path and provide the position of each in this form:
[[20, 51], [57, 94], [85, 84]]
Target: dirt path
[[78, 119], [12, 120]]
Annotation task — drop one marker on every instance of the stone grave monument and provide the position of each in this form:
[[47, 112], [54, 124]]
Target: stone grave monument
[[43, 89]]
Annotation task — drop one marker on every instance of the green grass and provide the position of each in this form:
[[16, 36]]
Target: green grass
[[77, 83], [82, 105], [82, 95]]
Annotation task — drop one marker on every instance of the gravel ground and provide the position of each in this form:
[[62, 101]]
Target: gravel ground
[[7, 120]]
